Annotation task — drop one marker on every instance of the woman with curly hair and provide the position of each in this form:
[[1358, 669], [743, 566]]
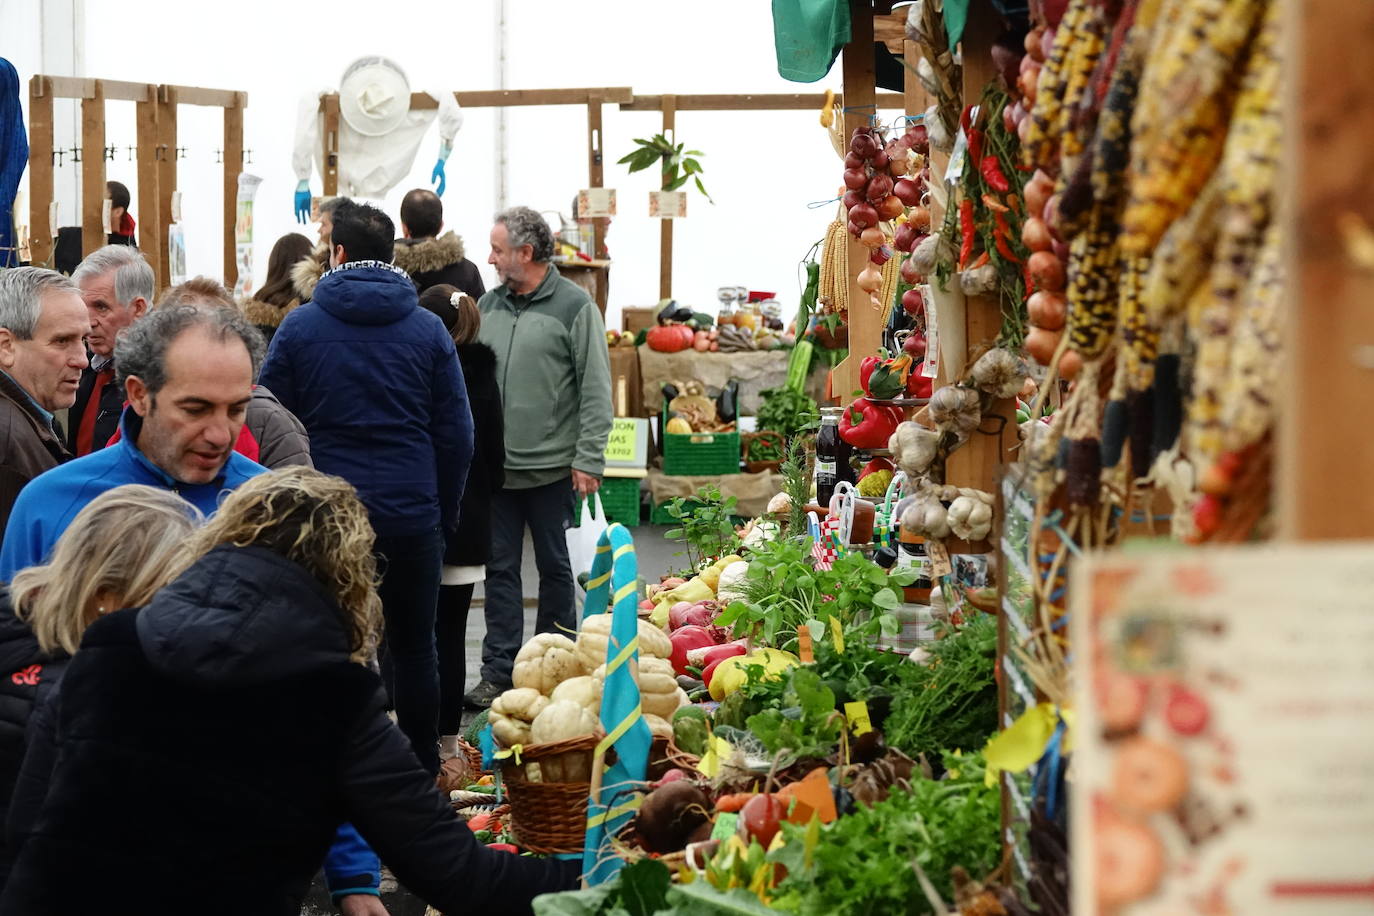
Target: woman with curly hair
[[204, 748]]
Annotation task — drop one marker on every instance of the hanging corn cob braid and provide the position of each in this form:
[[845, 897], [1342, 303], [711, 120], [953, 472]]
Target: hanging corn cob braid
[[1042, 140]]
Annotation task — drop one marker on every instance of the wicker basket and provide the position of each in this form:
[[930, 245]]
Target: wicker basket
[[549, 817], [473, 755], [766, 435]]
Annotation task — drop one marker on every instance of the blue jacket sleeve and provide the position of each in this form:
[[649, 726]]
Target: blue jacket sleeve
[[351, 866], [451, 429], [276, 375]]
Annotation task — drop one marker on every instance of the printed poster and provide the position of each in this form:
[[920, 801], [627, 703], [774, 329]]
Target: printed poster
[[595, 203], [667, 205], [1224, 759]]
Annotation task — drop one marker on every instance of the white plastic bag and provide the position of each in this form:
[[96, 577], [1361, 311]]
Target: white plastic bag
[[583, 537]]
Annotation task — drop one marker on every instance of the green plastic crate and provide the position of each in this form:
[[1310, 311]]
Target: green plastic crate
[[696, 454], [620, 500]]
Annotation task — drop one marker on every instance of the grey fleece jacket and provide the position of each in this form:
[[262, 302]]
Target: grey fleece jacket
[[555, 379]]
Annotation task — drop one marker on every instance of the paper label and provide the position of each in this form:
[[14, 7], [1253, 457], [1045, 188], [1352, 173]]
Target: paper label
[[1223, 729], [804, 649], [930, 367], [940, 565], [725, 826], [176, 206], [837, 634], [667, 204], [825, 467], [105, 216], [54, 212], [857, 714], [628, 442], [593, 203]]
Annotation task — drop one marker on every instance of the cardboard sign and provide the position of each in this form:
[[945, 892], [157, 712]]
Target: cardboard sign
[[667, 204], [1224, 737], [176, 206], [628, 444], [593, 203], [105, 208]]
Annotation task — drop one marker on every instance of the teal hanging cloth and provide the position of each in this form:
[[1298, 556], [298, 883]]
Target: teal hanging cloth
[[614, 803], [808, 36], [956, 17]]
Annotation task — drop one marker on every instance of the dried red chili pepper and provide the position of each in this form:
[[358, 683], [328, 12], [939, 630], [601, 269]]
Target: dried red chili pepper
[[992, 174], [1000, 236], [975, 146], [967, 228]]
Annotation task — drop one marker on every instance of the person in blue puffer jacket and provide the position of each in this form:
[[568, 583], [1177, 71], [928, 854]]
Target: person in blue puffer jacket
[[376, 382]]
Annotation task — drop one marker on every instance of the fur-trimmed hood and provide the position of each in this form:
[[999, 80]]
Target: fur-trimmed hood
[[422, 256], [265, 314], [308, 271]]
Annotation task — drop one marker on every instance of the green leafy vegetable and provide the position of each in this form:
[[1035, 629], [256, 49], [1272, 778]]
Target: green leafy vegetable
[[677, 164], [957, 705], [806, 725], [640, 889], [706, 525], [786, 410]]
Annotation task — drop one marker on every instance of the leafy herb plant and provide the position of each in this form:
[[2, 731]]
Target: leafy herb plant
[[706, 525], [677, 164]]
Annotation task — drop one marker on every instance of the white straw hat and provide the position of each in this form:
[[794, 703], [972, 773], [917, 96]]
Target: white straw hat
[[374, 96]]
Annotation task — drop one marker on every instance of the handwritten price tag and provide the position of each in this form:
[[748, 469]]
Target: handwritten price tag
[[940, 566], [837, 634], [804, 648]]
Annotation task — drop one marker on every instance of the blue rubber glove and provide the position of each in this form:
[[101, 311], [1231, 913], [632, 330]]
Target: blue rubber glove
[[438, 175], [303, 202]]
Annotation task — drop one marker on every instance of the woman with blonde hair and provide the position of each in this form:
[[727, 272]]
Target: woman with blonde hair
[[211, 742], [117, 552]]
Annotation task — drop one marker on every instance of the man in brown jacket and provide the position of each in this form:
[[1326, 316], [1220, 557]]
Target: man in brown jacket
[[43, 329]]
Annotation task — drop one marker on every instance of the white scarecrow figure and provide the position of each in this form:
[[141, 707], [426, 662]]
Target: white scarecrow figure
[[379, 134]]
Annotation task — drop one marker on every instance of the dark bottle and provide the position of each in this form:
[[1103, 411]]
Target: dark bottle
[[828, 455]]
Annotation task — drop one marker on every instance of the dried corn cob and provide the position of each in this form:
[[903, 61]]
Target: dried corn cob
[[1248, 399], [833, 289], [892, 276], [1193, 73], [1094, 267], [1042, 140], [1075, 123], [1138, 343]]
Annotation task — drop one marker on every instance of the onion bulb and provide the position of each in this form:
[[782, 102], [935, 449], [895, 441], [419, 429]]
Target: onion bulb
[[908, 191], [879, 186], [855, 179], [1047, 271], [1070, 364], [1038, 191], [919, 217], [1041, 344], [1047, 310], [863, 216], [870, 279], [905, 237], [871, 237], [890, 207], [880, 255], [914, 303], [910, 275], [1035, 235]]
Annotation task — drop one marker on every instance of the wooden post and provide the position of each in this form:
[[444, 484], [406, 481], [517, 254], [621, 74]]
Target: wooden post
[[233, 165], [665, 239], [860, 97], [41, 231], [331, 145], [149, 212], [93, 170], [595, 166], [1325, 442], [977, 463], [166, 170]]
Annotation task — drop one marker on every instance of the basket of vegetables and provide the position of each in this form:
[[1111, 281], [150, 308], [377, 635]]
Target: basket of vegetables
[[548, 790], [763, 450]]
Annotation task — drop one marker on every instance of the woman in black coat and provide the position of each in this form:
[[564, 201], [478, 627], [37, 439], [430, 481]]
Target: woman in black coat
[[204, 748], [117, 551], [468, 550]]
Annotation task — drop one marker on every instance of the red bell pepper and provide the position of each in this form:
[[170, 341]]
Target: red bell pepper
[[866, 371], [685, 639], [866, 425], [711, 658], [918, 386], [876, 465]]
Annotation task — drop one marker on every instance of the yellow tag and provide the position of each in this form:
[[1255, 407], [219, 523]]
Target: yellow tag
[[804, 651], [716, 751], [1022, 743], [857, 714], [837, 634], [513, 751]]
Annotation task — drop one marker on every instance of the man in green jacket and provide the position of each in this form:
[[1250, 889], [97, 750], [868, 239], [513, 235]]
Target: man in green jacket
[[555, 379]]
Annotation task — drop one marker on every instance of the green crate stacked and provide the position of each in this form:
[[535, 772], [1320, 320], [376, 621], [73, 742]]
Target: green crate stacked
[[620, 500]]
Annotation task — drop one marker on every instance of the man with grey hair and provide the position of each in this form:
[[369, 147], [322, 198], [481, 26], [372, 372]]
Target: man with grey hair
[[117, 286], [555, 379], [188, 373], [42, 352]]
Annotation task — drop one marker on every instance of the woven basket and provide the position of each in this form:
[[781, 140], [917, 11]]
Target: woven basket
[[473, 755], [549, 817], [664, 756]]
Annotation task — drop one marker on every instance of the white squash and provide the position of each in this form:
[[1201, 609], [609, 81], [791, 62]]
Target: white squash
[[559, 721], [595, 636], [546, 661], [659, 693], [730, 587], [585, 691], [511, 714], [658, 726]]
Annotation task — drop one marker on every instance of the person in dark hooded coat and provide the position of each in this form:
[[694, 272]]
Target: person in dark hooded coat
[[204, 749]]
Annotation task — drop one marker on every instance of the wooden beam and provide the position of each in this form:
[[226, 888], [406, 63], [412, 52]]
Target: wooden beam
[[210, 98], [512, 98], [783, 101], [93, 170], [41, 231], [149, 212], [890, 29], [865, 322], [233, 166], [596, 169], [166, 152], [665, 238], [77, 87], [330, 139], [1325, 441]]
